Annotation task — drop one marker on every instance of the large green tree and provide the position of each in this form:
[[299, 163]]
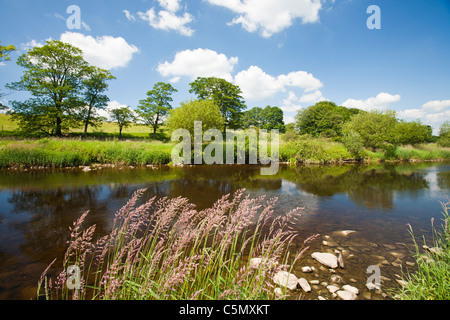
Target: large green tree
[[413, 132], [185, 116], [123, 116], [53, 76], [94, 98], [268, 118], [156, 107], [324, 118], [376, 129], [444, 134], [227, 96]]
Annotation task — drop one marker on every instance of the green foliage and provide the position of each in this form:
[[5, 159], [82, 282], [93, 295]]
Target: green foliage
[[5, 51], [227, 96], [444, 134], [354, 143], [205, 111], [313, 150], [156, 107], [377, 129], [268, 118], [94, 87], [72, 153], [124, 117], [413, 133], [53, 76], [323, 119]]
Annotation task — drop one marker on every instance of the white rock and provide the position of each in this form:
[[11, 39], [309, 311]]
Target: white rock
[[321, 298], [306, 269], [278, 292], [341, 261], [304, 284], [255, 262], [351, 289], [346, 295], [332, 289], [286, 279], [327, 259], [372, 286]]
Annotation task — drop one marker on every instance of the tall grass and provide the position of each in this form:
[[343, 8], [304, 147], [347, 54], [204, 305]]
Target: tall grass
[[71, 153], [165, 249], [431, 280]]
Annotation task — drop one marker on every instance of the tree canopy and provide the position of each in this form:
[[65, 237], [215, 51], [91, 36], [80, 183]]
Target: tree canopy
[[324, 118], [123, 116], [268, 118], [53, 76], [156, 106], [225, 95]]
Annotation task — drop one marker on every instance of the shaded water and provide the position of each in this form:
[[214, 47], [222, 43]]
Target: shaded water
[[377, 201]]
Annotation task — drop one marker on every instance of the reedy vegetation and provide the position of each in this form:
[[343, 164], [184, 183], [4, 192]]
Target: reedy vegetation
[[166, 249]]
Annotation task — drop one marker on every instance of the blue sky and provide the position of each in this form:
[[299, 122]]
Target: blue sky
[[285, 53]]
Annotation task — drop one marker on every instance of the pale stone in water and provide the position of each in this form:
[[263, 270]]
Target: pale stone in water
[[286, 279], [306, 269], [327, 259], [351, 289], [346, 295], [332, 289], [304, 284]]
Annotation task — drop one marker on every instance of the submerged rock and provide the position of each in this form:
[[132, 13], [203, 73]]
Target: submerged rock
[[346, 295], [286, 279], [303, 283], [327, 259]]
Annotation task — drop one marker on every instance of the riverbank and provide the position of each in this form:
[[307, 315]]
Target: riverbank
[[70, 153]]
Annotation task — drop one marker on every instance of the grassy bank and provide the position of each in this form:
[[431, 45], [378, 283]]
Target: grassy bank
[[304, 149], [431, 281], [58, 153], [166, 250]]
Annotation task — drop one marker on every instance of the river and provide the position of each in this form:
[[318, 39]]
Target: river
[[377, 201]]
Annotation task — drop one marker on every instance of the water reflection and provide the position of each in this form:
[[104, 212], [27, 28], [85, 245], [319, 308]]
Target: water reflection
[[36, 208]]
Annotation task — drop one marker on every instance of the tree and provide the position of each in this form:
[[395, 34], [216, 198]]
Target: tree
[[413, 132], [324, 118], [53, 77], [5, 51], [123, 116], [156, 107], [4, 56], [225, 95], [444, 134], [268, 118], [94, 87], [205, 111], [376, 129]]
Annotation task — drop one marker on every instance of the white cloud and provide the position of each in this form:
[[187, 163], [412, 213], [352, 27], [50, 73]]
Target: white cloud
[[129, 16], [257, 85], [168, 19], [436, 105], [105, 52], [170, 5], [380, 102], [198, 63], [270, 16], [31, 44], [313, 97], [433, 113]]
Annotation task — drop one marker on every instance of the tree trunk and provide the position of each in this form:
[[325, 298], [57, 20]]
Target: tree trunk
[[58, 129], [87, 122], [120, 132], [154, 132]]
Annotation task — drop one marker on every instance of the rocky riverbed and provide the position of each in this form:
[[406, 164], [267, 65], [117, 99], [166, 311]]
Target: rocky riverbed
[[342, 265]]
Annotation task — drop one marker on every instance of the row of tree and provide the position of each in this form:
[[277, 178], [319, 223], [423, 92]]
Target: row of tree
[[66, 93], [359, 129]]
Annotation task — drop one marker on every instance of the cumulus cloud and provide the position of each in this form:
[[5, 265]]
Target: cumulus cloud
[[129, 16], [432, 113], [270, 16], [105, 52], [198, 63], [380, 102], [167, 19], [258, 85]]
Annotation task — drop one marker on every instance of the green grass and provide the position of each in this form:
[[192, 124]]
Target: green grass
[[431, 280], [58, 153]]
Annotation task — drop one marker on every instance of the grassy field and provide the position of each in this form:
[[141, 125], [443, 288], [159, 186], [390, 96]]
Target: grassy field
[[137, 147]]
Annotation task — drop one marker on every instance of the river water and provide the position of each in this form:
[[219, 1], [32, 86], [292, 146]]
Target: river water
[[376, 201]]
